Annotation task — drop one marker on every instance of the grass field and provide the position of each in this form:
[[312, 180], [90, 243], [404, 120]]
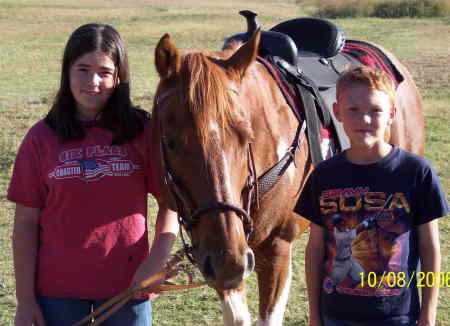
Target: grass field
[[33, 35]]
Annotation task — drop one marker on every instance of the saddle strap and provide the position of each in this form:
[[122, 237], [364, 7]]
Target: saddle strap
[[313, 123], [269, 178], [315, 110], [308, 85]]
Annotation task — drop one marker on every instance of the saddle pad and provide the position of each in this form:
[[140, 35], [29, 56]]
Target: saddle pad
[[372, 56]]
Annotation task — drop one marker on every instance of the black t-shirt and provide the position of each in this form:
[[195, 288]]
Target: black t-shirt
[[371, 213]]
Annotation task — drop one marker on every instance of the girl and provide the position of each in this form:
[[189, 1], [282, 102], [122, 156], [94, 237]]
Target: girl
[[80, 185]]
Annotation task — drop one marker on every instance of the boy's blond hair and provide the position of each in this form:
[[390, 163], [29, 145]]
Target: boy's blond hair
[[374, 79]]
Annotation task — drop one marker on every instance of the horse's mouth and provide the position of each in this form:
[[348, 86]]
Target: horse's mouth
[[225, 285]]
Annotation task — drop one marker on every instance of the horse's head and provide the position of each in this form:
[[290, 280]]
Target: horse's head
[[203, 128]]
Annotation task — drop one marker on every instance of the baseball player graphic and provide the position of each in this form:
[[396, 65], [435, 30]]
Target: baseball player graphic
[[344, 264]]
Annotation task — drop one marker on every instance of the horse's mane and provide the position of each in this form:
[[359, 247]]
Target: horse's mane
[[208, 94]]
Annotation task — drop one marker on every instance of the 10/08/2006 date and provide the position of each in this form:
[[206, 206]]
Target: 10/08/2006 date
[[401, 279]]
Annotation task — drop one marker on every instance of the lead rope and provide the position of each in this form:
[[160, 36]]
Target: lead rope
[[146, 286]]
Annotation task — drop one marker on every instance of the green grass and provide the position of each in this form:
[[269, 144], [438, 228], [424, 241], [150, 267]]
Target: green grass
[[33, 37]]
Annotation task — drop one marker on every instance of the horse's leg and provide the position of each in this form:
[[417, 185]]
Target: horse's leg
[[274, 269], [234, 307]]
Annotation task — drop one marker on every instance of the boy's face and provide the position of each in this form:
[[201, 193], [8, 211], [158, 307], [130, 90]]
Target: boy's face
[[365, 114]]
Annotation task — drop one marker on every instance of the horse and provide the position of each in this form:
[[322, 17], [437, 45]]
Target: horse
[[219, 122]]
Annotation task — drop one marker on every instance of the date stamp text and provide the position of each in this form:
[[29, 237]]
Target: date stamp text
[[401, 279]]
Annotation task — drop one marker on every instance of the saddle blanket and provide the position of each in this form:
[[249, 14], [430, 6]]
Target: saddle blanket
[[371, 56]]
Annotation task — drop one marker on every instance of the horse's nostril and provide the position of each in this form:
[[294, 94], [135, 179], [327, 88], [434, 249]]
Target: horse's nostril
[[208, 269], [250, 261], [250, 265]]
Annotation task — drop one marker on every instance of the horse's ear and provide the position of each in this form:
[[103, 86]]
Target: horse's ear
[[245, 55], [167, 58]]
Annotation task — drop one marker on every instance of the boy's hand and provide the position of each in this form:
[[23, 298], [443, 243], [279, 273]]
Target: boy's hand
[[425, 323]]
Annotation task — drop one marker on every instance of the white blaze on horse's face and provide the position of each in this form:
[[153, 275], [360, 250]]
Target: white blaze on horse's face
[[214, 130], [235, 310], [232, 197], [221, 249], [215, 136], [227, 185]]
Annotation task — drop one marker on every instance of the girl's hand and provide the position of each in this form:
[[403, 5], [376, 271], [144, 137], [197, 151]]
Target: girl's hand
[[145, 272], [28, 314]]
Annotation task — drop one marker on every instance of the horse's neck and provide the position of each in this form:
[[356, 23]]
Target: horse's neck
[[273, 122]]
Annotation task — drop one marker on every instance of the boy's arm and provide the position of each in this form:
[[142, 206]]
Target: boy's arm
[[430, 257], [314, 260]]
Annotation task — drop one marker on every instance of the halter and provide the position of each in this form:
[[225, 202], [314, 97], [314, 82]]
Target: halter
[[188, 215]]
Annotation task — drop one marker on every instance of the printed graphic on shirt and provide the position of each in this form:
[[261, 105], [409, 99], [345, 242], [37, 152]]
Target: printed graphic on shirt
[[93, 163], [368, 234]]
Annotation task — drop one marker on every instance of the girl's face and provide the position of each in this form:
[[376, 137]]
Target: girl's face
[[93, 78]]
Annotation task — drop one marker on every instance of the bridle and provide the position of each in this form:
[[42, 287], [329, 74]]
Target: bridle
[[188, 215]]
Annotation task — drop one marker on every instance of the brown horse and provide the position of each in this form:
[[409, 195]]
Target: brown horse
[[220, 120]]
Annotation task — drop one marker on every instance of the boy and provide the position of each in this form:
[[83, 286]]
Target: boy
[[379, 204]]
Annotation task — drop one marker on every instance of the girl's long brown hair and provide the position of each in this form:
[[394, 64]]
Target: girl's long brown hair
[[124, 120]]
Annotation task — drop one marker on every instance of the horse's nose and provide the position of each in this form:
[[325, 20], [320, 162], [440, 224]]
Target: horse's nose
[[220, 265]]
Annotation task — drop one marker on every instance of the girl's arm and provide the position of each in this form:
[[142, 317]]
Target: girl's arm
[[314, 260], [430, 257], [166, 230], [25, 247]]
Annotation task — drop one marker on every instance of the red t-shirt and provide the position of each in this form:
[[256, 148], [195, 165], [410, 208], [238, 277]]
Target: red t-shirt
[[93, 201]]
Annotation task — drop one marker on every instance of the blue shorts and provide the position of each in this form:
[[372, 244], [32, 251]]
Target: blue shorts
[[65, 312]]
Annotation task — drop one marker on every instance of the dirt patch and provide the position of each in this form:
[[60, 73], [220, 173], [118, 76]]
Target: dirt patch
[[430, 72]]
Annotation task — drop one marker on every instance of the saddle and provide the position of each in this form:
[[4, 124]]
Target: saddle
[[308, 53], [305, 56], [320, 61]]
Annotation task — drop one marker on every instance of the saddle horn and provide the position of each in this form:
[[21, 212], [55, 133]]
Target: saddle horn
[[252, 24], [272, 43]]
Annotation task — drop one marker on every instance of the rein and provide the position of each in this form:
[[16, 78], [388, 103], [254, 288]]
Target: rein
[[112, 305]]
